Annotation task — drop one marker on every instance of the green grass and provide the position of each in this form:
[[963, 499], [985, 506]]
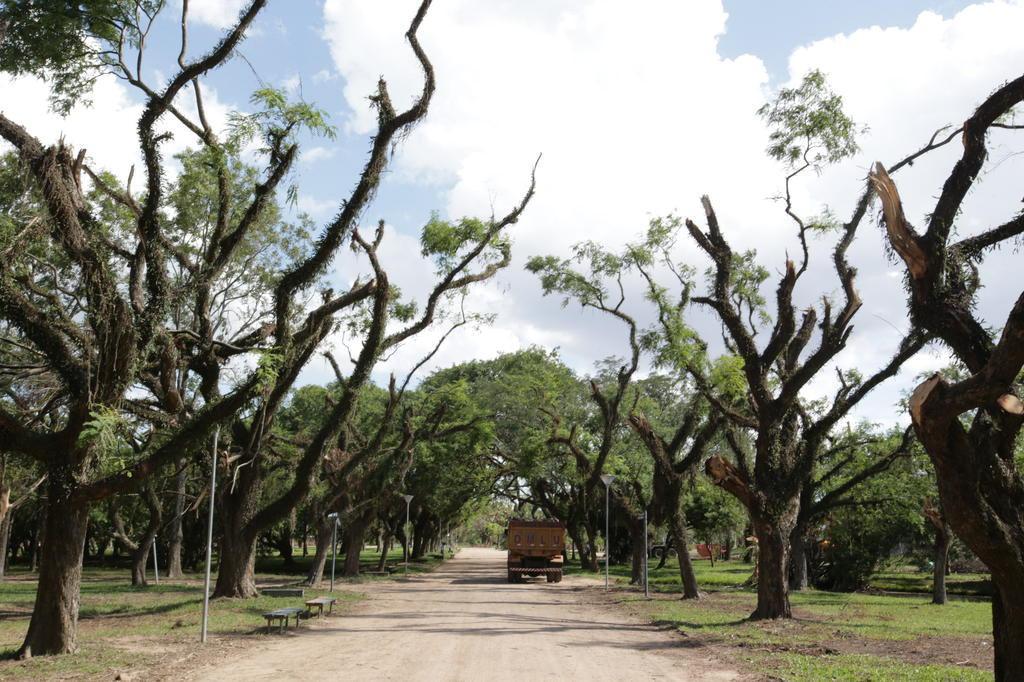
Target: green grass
[[871, 635], [130, 628], [860, 668]]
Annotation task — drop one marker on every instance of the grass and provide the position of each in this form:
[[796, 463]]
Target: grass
[[873, 635], [130, 628]]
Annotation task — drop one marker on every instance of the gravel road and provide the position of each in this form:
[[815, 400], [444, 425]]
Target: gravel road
[[464, 622]]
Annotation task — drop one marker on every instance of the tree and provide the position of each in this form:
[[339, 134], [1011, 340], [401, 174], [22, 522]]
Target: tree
[[839, 472], [676, 460], [809, 130], [970, 428], [599, 286]]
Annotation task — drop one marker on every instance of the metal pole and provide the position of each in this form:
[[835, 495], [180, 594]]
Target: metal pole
[[647, 587], [334, 549], [156, 567], [607, 545], [407, 538], [209, 535]]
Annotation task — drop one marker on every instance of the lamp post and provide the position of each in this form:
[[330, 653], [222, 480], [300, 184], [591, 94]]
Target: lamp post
[[156, 567], [607, 480], [408, 499], [333, 516], [647, 590], [209, 535]]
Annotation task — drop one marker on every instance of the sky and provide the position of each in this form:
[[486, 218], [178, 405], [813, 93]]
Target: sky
[[638, 108]]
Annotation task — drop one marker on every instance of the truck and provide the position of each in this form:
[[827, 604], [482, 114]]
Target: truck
[[535, 548]]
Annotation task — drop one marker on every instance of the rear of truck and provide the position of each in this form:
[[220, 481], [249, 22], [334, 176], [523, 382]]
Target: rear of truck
[[535, 548]]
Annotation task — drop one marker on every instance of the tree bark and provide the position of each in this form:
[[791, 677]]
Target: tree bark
[[942, 539], [1008, 633], [588, 558], [636, 541], [385, 545], [54, 625], [772, 571], [177, 533], [5, 539], [356, 534], [236, 568], [324, 531], [677, 528]]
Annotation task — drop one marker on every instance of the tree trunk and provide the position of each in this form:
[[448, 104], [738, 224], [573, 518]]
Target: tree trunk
[[677, 528], [942, 540], [356, 534], [54, 624], [798, 579], [772, 570], [237, 562], [5, 538], [324, 531], [177, 534], [385, 545], [1008, 632], [285, 545], [140, 556], [636, 541], [589, 558]]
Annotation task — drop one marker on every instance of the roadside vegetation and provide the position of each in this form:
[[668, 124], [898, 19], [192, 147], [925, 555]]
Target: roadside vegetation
[[156, 336], [874, 634]]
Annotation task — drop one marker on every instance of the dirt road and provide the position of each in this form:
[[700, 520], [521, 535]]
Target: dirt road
[[464, 622]]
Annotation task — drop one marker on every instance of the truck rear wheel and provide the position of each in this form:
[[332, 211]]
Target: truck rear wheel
[[555, 577]]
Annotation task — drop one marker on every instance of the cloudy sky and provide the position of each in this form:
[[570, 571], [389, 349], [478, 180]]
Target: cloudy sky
[[638, 108]]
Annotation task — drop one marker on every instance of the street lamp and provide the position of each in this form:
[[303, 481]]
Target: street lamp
[[607, 480], [333, 516], [408, 499], [209, 536]]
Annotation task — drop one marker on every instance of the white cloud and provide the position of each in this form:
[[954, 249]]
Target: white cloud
[[106, 129], [637, 115], [215, 13], [292, 83], [316, 208], [315, 154]]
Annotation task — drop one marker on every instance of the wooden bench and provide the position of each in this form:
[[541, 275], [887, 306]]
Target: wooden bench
[[320, 603], [282, 616]]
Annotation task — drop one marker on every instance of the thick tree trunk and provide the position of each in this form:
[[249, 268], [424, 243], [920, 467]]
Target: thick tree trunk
[[176, 532], [1008, 632], [772, 571], [677, 527], [236, 569], [324, 532], [356, 534], [798, 578], [941, 557], [54, 624]]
